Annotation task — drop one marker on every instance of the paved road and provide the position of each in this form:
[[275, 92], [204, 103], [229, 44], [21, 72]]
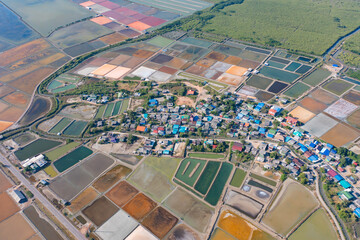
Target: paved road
[[42, 199]]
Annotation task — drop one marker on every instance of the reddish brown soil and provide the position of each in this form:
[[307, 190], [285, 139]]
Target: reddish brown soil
[[7, 206], [168, 70], [160, 222], [233, 60], [139, 206], [340, 134], [143, 53], [313, 105], [122, 193], [4, 183], [196, 69], [206, 62], [216, 56], [323, 96]]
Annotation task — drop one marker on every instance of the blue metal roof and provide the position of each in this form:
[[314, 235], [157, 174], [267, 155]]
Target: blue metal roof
[[339, 177], [357, 212], [345, 184]]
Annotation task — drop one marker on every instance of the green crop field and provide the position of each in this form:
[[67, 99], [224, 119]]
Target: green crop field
[[100, 112], [109, 110], [124, 106], [36, 147], [263, 179], [72, 158], [238, 178], [75, 128], [60, 151], [304, 25], [60, 125], [187, 167], [207, 177], [297, 90], [218, 186], [49, 170]]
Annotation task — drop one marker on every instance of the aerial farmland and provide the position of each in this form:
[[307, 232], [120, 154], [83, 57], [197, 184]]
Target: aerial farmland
[[179, 120]]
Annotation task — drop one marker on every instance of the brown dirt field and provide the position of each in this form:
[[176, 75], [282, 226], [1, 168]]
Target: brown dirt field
[[302, 114], [139, 206], [206, 62], [5, 125], [168, 70], [98, 61], [133, 62], [140, 26], [230, 79], [9, 229], [354, 119], [236, 70], [32, 59], [51, 59], [353, 97], [185, 101], [83, 199], [324, 96], [110, 55], [152, 65], [340, 134], [187, 56], [19, 73], [18, 99], [176, 63], [216, 56], [141, 53], [111, 177], [233, 60], [100, 211], [11, 114], [122, 193], [113, 38], [7, 206], [4, 183], [29, 82], [5, 90], [188, 64], [119, 59], [248, 64], [160, 222], [101, 20], [3, 106], [23, 51], [313, 105], [196, 69]]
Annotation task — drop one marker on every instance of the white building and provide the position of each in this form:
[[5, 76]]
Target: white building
[[38, 160]]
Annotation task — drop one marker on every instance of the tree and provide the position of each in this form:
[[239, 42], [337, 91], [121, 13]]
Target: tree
[[283, 177], [131, 139]]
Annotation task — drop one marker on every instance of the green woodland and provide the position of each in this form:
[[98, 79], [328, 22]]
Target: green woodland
[[300, 25]]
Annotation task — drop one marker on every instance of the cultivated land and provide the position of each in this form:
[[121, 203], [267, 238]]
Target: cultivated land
[[292, 205]]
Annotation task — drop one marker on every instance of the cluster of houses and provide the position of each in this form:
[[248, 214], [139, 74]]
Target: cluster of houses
[[347, 193], [93, 98]]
